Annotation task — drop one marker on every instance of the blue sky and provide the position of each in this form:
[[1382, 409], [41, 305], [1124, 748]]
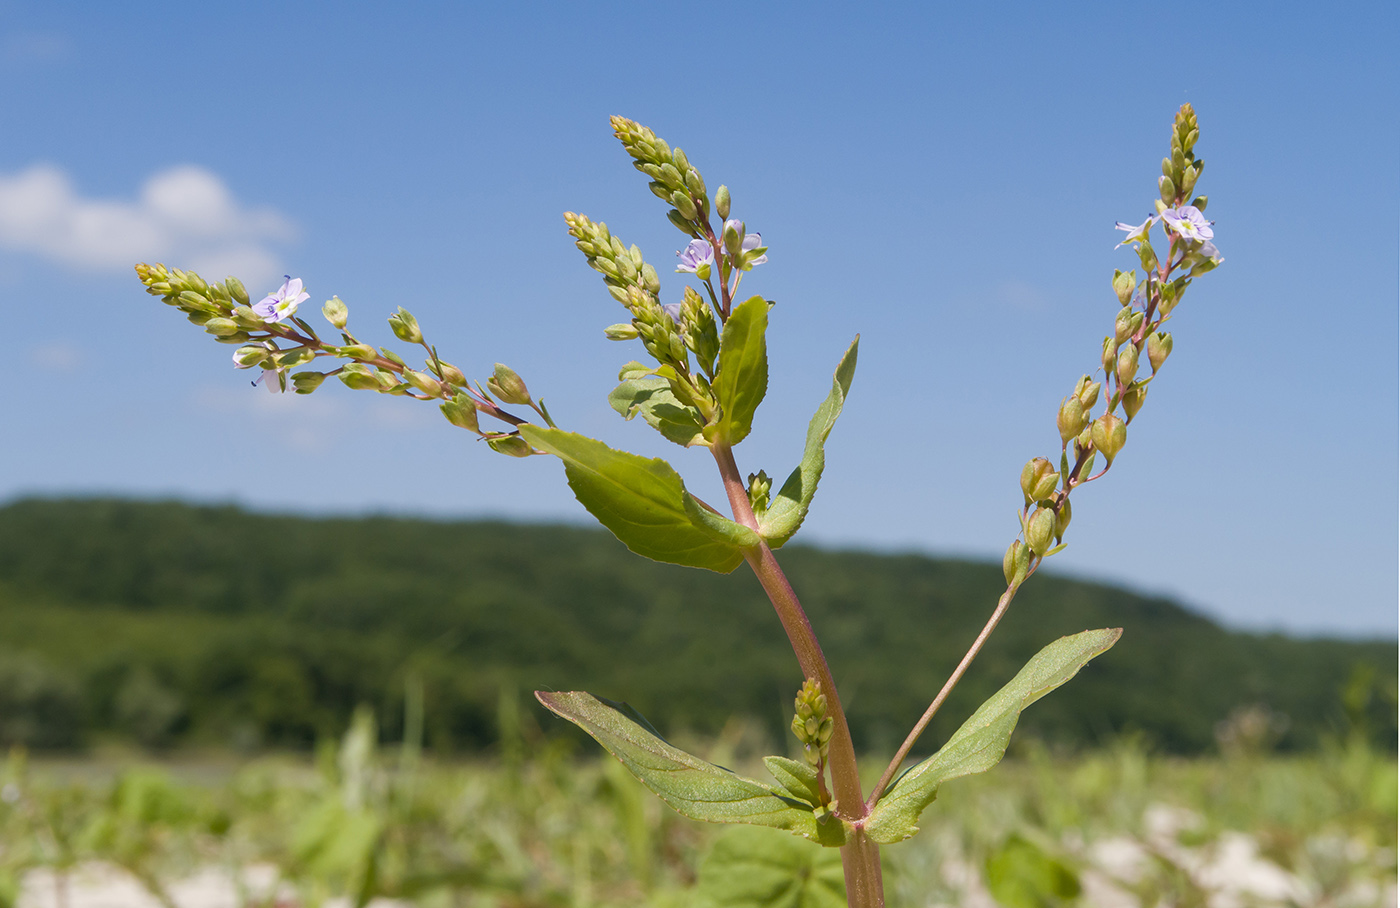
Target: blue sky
[[942, 179]]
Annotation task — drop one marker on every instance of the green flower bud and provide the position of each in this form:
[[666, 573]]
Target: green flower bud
[[1167, 188], [1071, 419], [695, 183], [293, 358], [1124, 283], [1040, 530], [1015, 563], [238, 337], [251, 355], [1085, 440], [621, 332], [1133, 399], [1199, 202], [405, 327], [759, 488], [679, 159], [236, 291], [448, 372], [357, 351], [245, 317], [1109, 434], [197, 302], [511, 446], [423, 382], [1062, 519], [306, 382], [1123, 326], [360, 377], [1147, 255], [1127, 365], [679, 220], [734, 237], [1088, 393], [701, 329], [1110, 355], [1188, 179], [1159, 347], [221, 327], [1038, 479], [722, 202], [508, 386], [336, 312], [461, 412], [681, 199], [650, 281]]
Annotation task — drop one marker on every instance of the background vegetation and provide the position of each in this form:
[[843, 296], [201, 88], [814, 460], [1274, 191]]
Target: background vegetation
[[170, 624]]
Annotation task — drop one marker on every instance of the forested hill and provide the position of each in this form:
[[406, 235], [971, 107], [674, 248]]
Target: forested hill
[[171, 623]]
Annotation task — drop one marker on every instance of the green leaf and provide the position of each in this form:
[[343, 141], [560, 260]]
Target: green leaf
[[743, 370], [1022, 875], [753, 868], [789, 507], [981, 741], [693, 787], [652, 398], [643, 502], [800, 779]]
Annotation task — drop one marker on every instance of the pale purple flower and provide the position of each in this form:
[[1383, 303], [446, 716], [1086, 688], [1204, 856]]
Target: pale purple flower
[[1188, 223], [1209, 251], [280, 306], [698, 254], [674, 311], [1135, 234], [271, 380], [751, 242]]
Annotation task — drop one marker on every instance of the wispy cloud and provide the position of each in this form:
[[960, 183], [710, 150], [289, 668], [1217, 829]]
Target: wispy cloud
[[185, 216], [35, 48]]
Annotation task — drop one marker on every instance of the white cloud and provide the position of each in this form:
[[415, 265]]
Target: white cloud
[[316, 423], [1020, 295], [56, 357], [31, 48], [184, 216]]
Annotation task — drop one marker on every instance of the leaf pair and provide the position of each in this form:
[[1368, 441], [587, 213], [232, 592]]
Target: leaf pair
[[704, 791], [740, 385]]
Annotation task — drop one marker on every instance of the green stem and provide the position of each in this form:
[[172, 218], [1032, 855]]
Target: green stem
[[860, 857], [952, 682]]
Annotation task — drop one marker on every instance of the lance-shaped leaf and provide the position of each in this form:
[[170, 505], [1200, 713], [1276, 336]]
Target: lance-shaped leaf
[[981, 741], [652, 398], [789, 507], [743, 370], [693, 787], [644, 503]]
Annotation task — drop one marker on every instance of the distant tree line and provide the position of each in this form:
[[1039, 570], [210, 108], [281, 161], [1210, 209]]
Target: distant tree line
[[169, 624]]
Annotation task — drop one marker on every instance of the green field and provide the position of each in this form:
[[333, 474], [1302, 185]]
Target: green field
[[555, 829]]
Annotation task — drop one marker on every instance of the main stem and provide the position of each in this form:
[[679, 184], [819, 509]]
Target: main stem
[[860, 857]]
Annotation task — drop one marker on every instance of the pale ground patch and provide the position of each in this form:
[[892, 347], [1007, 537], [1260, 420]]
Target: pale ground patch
[[96, 885]]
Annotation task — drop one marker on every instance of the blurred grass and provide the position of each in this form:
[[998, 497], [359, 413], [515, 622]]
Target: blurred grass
[[551, 829]]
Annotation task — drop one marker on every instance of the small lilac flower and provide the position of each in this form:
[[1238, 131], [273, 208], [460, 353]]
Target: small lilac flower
[[697, 255], [751, 242], [280, 306], [1209, 251], [1188, 223], [674, 311], [1135, 234], [271, 380]]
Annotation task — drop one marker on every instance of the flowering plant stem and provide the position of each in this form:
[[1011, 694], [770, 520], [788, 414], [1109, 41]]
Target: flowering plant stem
[[860, 857]]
